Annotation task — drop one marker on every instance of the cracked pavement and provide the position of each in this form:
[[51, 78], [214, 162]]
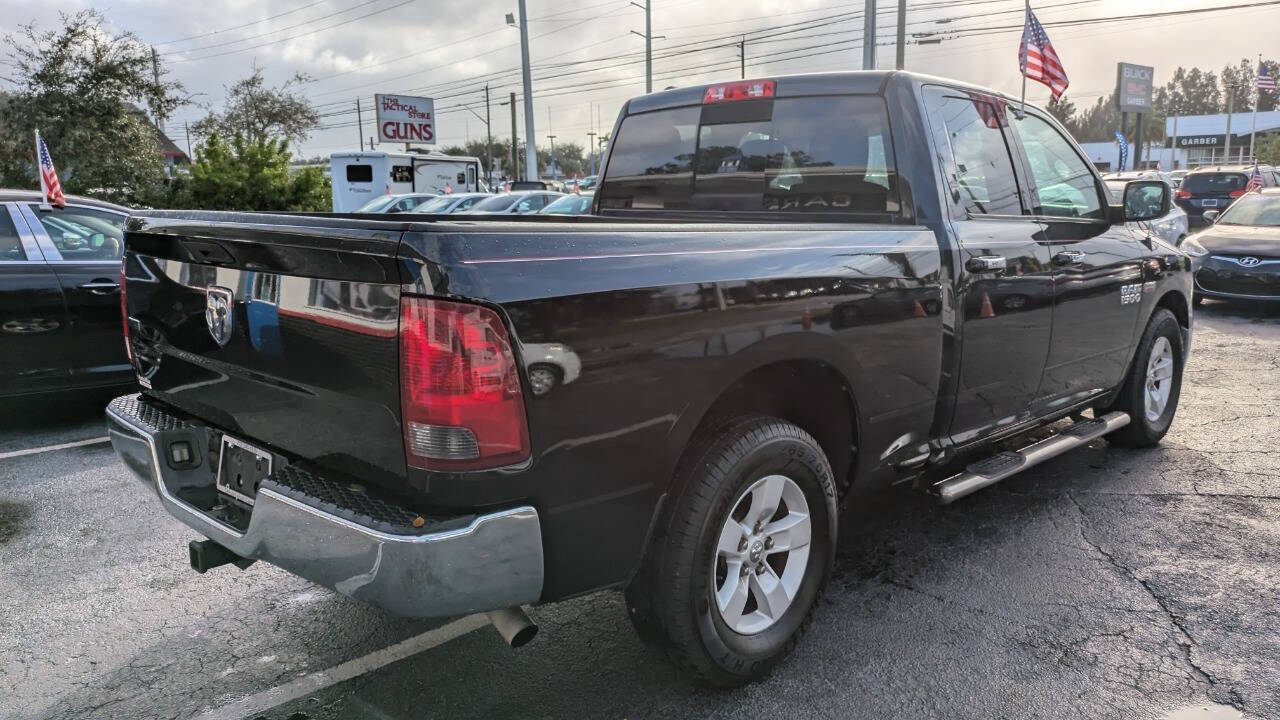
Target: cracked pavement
[[1106, 583]]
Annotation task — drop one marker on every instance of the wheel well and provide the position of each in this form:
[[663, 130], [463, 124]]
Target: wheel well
[[1176, 303], [808, 393]]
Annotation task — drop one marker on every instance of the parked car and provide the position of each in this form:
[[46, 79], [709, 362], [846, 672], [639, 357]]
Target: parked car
[[456, 202], [588, 182], [60, 325], [403, 202], [569, 205], [550, 365], [518, 202], [1240, 250], [1176, 177], [732, 392], [1171, 227], [1215, 188]]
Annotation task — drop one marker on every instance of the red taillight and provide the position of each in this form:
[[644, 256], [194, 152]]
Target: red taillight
[[1183, 195], [1236, 193], [459, 388], [124, 314], [745, 90]]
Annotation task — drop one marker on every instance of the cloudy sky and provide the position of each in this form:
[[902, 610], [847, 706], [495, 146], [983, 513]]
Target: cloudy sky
[[586, 62]]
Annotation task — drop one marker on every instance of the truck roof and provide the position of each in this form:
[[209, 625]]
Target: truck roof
[[858, 82]]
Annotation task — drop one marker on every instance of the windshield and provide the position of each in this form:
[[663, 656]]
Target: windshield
[[1214, 182], [376, 204], [571, 205], [1253, 209], [436, 205], [498, 203]]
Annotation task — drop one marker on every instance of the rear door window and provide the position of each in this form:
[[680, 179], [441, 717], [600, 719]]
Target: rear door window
[[1214, 183], [822, 157], [81, 233], [10, 244], [980, 170]]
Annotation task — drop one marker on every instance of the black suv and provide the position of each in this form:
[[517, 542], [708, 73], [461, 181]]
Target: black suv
[[1214, 188]]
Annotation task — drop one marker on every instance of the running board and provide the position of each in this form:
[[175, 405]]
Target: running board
[[1000, 466]]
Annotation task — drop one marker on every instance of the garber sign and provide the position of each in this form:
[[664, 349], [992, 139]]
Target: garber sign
[[406, 119]]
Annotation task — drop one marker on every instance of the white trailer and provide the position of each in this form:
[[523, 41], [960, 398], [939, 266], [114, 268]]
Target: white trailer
[[358, 177]]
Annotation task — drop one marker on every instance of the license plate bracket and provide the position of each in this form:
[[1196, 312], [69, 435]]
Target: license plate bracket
[[241, 469]]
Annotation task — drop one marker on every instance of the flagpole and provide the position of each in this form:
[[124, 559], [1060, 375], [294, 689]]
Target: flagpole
[[1023, 64], [1257, 99]]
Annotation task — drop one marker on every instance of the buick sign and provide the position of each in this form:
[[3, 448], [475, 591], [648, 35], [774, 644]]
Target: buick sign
[[217, 313]]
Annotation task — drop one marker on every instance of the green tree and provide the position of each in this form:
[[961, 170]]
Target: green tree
[[245, 174], [1064, 111], [258, 112], [1268, 150], [83, 87]]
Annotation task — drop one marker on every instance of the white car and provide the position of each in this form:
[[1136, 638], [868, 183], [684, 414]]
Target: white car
[[550, 365]]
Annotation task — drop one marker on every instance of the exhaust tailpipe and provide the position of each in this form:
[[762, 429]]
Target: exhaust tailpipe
[[513, 624]]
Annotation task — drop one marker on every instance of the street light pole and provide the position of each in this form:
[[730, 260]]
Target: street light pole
[[1231, 103], [901, 61], [530, 150], [742, 58], [591, 151], [515, 143], [869, 36], [488, 140], [648, 47]]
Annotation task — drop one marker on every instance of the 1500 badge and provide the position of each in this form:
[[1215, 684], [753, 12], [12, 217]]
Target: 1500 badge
[[1130, 293]]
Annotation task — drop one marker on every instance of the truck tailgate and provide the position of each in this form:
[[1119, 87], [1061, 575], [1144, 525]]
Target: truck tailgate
[[280, 330]]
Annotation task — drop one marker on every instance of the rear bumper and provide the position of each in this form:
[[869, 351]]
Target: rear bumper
[[455, 567]]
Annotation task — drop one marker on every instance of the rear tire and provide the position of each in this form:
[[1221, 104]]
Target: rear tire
[[731, 579], [1151, 389]]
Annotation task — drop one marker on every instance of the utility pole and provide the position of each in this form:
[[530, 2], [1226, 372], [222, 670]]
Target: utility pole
[[591, 150], [488, 140], [155, 74], [186, 131], [552, 139], [869, 36], [1231, 103], [901, 61], [359, 126], [515, 142], [530, 150], [742, 58], [648, 43]]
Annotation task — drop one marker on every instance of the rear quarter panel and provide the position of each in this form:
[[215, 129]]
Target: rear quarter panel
[[662, 320]]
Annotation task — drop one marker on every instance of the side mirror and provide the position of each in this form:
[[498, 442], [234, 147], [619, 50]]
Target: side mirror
[[1211, 216], [1146, 200]]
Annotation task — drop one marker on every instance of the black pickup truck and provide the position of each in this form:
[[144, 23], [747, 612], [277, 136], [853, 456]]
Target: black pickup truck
[[792, 292]]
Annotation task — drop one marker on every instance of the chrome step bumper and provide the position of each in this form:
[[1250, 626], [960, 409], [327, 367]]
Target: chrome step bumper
[[452, 567], [998, 467]]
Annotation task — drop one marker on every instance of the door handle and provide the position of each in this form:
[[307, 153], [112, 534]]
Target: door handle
[[986, 263], [100, 286], [1068, 257]]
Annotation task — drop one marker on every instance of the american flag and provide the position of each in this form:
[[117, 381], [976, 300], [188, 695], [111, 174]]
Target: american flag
[[1255, 181], [1037, 58], [49, 184], [1265, 81]]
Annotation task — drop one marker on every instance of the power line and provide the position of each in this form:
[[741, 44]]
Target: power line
[[245, 25]]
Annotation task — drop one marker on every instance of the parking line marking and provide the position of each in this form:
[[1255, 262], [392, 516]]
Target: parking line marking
[[51, 448], [258, 703]]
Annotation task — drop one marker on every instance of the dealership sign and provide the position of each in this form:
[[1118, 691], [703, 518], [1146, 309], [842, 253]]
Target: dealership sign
[[406, 119], [1134, 85]]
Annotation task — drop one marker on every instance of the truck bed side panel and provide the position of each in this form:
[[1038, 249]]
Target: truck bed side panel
[[658, 322]]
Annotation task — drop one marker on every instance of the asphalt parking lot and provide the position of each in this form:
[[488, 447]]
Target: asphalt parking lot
[[1103, 584]]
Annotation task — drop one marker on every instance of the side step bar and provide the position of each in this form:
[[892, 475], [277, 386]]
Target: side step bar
[[1000, 466]]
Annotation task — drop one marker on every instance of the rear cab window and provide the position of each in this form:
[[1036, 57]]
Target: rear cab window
[[1214, 182], [820, 157]]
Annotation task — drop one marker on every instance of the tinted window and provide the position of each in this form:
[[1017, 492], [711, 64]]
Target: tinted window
[[377, 204], [1214, 182], [498, 203], [818, 155], [982, 168], [84, 233], [1064, 184], [359, 173], [10, 244]]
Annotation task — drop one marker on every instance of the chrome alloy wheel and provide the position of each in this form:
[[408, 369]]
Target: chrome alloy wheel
[[541, 380], [761, 555], [1159, 382]]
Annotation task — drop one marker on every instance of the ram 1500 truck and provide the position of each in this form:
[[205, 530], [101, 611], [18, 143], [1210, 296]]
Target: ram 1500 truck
[[792, 292]]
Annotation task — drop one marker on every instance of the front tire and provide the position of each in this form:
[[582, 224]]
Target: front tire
[[1151, 389], [731, 580]]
